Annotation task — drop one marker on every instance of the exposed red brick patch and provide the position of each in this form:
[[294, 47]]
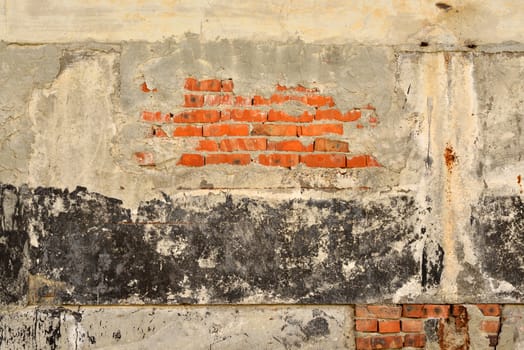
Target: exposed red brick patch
[[193, 100], [324, 160], [362, 162], [193, 84], [415, 340], [197, 116], [228, 158], [387, 342], [289, 146], [385, 311], [489, 309], [389, 326], [207, 145], [145, 88], [227, 85], [412, 326], [426, 310], [276, 159], [243, 144], [327, 145], [184, 131], [245, 115], [335, 114], [274, 130], [191, 160], [280, 116], [226, 130], [321, 129], [156, 117], [363, 343], [157, 131], [366, 325]]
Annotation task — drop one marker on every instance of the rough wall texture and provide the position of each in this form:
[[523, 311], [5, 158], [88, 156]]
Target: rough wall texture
[[328, 174]]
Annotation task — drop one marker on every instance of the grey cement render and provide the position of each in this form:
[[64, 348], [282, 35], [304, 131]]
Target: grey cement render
[[180, 327], [440, 222], [465, 104]]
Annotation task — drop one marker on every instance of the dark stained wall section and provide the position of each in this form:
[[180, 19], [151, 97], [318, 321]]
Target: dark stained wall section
[[498, 223], [203, 250]]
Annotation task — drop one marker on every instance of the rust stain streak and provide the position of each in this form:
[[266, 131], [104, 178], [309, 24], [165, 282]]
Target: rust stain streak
[[450, 158]]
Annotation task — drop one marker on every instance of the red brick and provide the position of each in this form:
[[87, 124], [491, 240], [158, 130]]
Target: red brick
[[321, 129], [491, 326], [387, 342], [199, 116], [412, 326], [157, 131], [367, 325], [389, 326], [193, 84], [188, 131], [362, 311], [259, 100], [227, 85], [247, 144], [216, 100], [319, 101], [369, 106], [373, 121], [191, 160], [247, 115], [363, 343], [362, 162], [335, 114], [279, 99], [360, 126], [385, 311], [207, 145], [144, 158], [193, 100], [298, 88], [426, 310], [210, 85], [233, 159], [280, 116], [283, 160], [144, 88], [274, 130], [436, 311], [226, 130], [415, 340], [243, 101], [408, 310], [324, 160], [289, 146], [156, 117], [489, 309], [326, 145]]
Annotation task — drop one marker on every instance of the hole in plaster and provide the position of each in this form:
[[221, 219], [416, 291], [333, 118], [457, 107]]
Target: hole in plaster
[[443, 6]]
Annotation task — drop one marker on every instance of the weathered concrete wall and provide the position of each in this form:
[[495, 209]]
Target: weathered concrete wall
[[224, 153]]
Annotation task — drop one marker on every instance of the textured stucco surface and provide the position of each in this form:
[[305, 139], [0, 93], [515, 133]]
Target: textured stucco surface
[[284, 327], [82, 223], [435, 140]]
